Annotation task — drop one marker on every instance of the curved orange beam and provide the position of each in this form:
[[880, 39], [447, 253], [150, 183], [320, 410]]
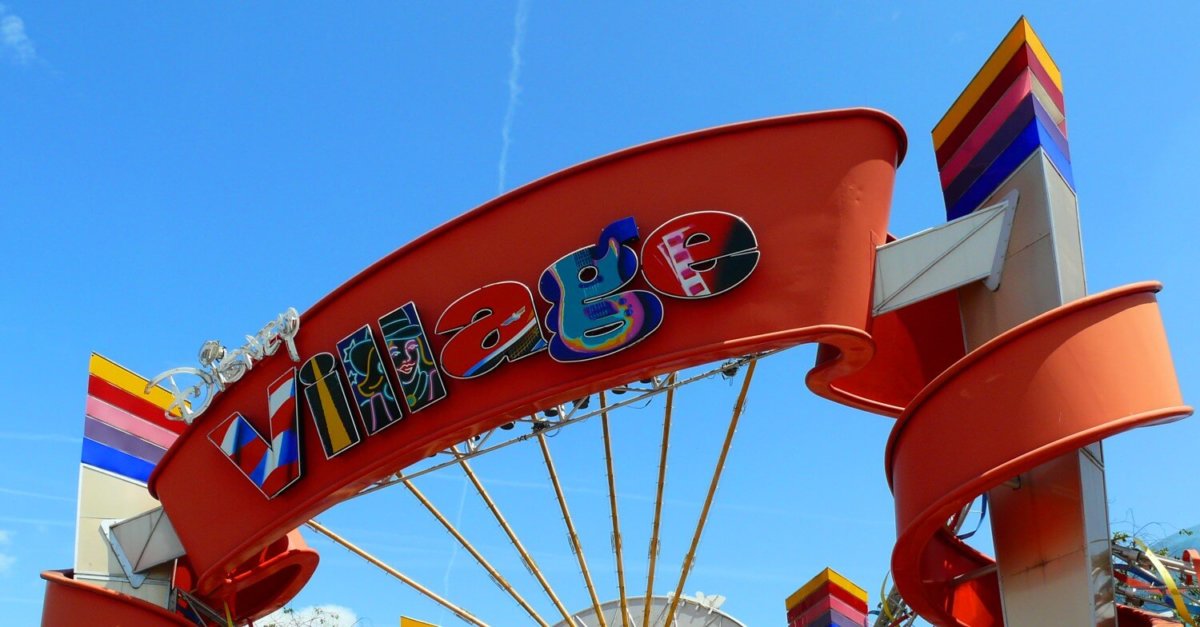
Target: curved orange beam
[[1070, 377], [268, 581], [71, 602]]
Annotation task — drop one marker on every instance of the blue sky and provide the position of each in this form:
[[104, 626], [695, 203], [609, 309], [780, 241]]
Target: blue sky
[[173, 173]]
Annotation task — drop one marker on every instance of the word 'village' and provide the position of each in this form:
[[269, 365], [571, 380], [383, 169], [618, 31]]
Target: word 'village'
[[693, 256]]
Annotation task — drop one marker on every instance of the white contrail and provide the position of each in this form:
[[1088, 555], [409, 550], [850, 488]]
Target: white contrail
[[35, 495], [462, 501], [514, 90], [38, 437], [38, 522]]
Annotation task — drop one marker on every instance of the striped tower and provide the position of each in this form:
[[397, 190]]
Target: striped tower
[[1012, 109], [1005, 133], [827, 600], [125, 433]]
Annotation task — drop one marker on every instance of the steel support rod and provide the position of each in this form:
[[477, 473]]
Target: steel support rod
[[712, 489], [575, 543], [500, 580], [458, 611], [512, 536], [658, 499], [612, 501]]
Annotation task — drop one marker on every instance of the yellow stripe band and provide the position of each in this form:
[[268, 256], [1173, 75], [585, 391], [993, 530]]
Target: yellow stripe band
[[828, 575], [125, 379]]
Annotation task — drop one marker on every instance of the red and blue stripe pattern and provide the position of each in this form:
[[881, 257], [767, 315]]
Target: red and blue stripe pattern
[[271, 466], [125, 430]]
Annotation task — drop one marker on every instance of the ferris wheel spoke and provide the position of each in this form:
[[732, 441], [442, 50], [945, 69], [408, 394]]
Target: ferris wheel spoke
[[658, 499], [576, 545], [539, 428], [612, 501], [512, 536], [688, 559], [577, 415], [458, 611], [495, 574]]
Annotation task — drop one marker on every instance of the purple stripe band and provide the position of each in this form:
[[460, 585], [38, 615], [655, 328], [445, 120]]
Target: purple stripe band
[[119, 440]]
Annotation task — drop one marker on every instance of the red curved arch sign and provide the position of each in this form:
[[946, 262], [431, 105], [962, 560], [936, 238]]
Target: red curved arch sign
[[705, 246]]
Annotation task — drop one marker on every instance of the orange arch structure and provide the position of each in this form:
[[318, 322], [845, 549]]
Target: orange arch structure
[[792, 210], [1068, 378]]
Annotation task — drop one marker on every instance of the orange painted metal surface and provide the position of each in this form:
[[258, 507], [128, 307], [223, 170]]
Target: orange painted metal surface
[[1070, 377], [262, 584], [905, 350], [71, 602], [254, 589]]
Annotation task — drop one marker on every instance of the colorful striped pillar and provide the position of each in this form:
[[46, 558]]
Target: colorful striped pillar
[[125, 433], [827, 600], [1007, 133]]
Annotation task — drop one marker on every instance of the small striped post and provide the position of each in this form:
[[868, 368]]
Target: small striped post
[[827, 600]]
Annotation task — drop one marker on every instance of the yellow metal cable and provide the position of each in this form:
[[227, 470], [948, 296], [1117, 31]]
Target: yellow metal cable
[[575, 543], [503, 583], [512, 537], [458, 611], [885, 607], [712, 489], [1169, 581], [658, 499], [612, 501]]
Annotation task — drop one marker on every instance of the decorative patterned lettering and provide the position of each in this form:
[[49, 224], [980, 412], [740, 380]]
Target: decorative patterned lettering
[[408, 348], [327, 403], [699, 255], [590, 316], [270, 466], [493, 324], [369, 385]]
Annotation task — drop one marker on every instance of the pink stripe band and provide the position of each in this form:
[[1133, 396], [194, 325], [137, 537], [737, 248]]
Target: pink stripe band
[[988, 126], [830, 603], [129, 423], [991, 123]]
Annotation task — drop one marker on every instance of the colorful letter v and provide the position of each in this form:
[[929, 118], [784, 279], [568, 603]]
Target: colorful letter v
[[272, 466]]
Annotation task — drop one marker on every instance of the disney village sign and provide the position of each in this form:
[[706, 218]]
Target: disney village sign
[[592, 314]]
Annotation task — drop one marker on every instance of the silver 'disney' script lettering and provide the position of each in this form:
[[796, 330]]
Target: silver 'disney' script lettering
[[219, 367]]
